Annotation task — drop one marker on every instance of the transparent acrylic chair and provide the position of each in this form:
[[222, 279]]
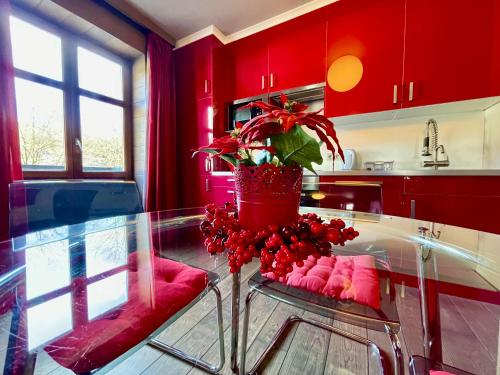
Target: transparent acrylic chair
[[385, 319]]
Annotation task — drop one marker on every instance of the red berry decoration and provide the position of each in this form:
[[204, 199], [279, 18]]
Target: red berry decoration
[[279, 248]]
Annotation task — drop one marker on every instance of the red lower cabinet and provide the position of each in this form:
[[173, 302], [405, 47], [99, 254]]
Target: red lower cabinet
[[223, 189], [392, 189], [465, 201]]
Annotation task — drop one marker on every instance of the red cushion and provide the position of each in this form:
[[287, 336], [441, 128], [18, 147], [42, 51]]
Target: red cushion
[[341, 277], [152, 301]]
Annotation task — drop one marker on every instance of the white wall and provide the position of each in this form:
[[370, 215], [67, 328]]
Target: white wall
[[401, 141], [491, 157]]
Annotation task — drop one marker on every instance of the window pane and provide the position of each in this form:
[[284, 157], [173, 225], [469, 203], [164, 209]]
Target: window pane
[[100, 75], [35, 50], [106, 294], [102, 136], [49, 320], [40, 112], [105, 250], [47, 268]]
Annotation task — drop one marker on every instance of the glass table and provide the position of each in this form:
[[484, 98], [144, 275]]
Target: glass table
[[446, 281]]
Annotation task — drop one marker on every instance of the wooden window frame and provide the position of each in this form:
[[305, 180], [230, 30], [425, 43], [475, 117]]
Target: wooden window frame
[[71, 94]]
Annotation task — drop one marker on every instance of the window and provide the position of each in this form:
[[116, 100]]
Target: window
[[73, 103]]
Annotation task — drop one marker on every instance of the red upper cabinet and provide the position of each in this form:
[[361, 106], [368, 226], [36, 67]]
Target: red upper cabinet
[[250, 63], [495, 60], [372, 31], [448, 52], [297, 52]]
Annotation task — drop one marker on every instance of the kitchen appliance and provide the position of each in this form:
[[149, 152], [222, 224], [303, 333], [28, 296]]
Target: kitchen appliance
[[349, 160], [236, 112]]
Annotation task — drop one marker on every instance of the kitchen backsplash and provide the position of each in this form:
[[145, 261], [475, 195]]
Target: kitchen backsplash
[[471, 140]]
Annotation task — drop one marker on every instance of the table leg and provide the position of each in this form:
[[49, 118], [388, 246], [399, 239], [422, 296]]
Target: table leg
[[235, 320], [429, 303]]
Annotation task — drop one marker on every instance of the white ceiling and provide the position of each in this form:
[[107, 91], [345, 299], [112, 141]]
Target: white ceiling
[[183, 17]]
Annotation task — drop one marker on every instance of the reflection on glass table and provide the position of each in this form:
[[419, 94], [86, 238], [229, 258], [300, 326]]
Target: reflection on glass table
[[93, 298], [446, 281]]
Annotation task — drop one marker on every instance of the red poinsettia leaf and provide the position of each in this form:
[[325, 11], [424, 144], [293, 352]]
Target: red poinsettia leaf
[[299, 107], [224, 145], [262, 131], [322, 136], [329, 128], [288, 122], [254, 121], [264, 106], [283, 98]]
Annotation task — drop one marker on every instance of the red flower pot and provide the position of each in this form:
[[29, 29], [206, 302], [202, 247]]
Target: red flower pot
[[267, 194]]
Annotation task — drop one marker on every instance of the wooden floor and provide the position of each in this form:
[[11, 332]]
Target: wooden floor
[[469, 343]]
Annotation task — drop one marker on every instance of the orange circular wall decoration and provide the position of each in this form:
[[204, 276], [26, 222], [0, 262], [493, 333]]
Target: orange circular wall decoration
[[345, 73]]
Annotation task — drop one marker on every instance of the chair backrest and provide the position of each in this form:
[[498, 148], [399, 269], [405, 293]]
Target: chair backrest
[[38, 205], [346, 195]]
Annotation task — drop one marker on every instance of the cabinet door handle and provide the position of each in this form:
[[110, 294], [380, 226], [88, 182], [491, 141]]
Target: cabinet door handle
[[271, 80], [395, 94], [208, 165], [410, 92], [263, 82], [230, 180], [230, 191], [207, 185], [207, 86], [412, 209]]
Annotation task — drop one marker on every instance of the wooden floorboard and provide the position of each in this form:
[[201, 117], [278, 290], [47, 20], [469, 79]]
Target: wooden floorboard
[[308, 350]]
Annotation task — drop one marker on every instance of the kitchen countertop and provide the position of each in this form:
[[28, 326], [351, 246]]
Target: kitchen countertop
[[416, 172]]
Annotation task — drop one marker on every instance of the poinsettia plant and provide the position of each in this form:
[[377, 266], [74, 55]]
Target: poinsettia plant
[[277, 137]]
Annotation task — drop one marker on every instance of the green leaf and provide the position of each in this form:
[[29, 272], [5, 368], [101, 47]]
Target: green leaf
[[226, 157], [296, 146]]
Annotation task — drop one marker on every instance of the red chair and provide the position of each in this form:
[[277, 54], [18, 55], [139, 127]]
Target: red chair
[[155, 298]]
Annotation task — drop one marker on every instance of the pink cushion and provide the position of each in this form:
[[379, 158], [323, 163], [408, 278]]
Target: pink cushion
[[341, 277], [434, 372], [93, 344]]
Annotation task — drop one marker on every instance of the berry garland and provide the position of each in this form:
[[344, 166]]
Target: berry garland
[[278, 247]]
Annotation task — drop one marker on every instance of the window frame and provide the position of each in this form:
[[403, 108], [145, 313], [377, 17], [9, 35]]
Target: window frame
[[70, 41]]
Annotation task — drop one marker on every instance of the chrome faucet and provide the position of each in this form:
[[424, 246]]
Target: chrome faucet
[[434, 148]]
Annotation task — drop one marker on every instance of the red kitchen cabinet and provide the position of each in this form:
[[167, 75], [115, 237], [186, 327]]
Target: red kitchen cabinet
[[195, 119], [194, 130], [203, 58], [495, 60], [373, 31], [250, 63], [297, 52], [223, 189], [392, 190], [448, 52], [195, 66], [464, 201]]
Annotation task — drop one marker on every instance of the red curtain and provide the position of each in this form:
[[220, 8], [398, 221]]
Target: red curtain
[[10, 157], [161, 172]]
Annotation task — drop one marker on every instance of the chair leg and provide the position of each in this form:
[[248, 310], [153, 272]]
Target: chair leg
[[284, 328], [396, 351], [197, 362]]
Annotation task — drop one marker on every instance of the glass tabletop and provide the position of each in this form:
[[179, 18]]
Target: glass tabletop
[[57, 283]]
